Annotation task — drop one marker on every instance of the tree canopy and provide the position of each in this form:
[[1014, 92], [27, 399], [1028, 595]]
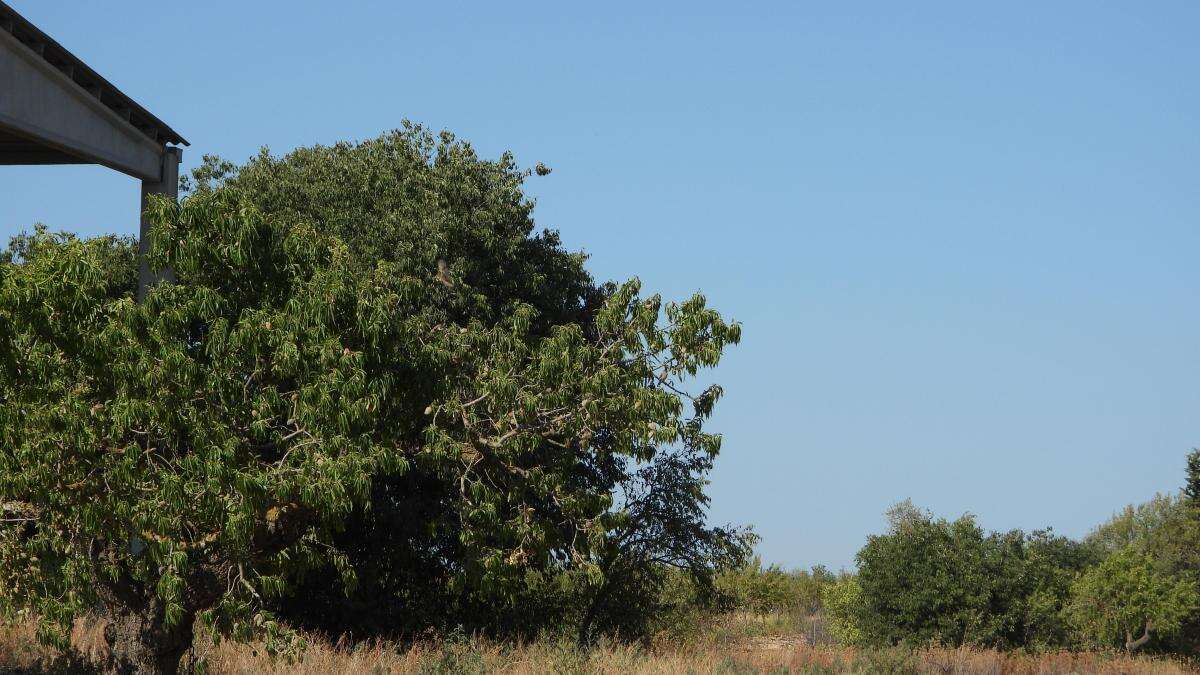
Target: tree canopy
[[365, 338], [930, 580], [1127, 599]]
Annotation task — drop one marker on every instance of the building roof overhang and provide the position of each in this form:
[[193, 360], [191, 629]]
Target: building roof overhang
[[86, 78]]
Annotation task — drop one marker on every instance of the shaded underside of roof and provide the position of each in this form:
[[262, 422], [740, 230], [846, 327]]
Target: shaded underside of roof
[[19, 150], [79, 72]]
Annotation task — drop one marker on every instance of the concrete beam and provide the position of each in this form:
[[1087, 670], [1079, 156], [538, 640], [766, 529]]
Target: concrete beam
[[168, 186], [42, 104]]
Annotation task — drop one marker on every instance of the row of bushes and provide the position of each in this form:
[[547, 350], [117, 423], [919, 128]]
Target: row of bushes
[[1131, 584], [933, 580]]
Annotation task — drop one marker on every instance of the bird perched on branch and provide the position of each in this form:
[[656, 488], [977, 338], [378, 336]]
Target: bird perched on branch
[[443, 274]]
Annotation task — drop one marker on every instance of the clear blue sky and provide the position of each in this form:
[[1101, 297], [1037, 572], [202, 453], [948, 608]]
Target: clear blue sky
[[963, 240]]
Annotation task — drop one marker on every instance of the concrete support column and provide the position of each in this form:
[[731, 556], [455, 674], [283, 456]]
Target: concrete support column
[[167, 185]]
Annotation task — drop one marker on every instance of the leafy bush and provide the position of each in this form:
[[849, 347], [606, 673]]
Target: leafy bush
[[771, 600], [1127, 599], [936, 581], [756, 589], [1166, 530], [844, 607]]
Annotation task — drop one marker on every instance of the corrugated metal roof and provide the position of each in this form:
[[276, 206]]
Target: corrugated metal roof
[[82, 74]]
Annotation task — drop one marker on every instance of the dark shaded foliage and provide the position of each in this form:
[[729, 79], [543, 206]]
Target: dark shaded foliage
[[949, 582]]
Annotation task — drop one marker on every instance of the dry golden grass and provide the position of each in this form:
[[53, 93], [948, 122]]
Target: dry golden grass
[[19, 653]]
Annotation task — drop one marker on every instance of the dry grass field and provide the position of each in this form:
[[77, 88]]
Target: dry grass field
[[19, 653]]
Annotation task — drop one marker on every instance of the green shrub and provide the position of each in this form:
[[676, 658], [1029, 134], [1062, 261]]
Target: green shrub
[[1127, 599], [758, 589], [844, 607], [931, 580], [1166, 529]]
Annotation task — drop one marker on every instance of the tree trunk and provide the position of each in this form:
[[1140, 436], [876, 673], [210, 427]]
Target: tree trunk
[[139, 640], [584, 638], [1132, 645]]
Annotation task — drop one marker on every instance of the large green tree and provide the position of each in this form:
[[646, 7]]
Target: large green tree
[[351, 327]]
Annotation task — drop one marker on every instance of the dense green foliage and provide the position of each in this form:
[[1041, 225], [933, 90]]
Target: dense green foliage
[[368, 365], [1127, 599], [1163, 528], [769, 589], [1166, 530], [842, 602], [1191, 488], [948, 582], [1130, 584]]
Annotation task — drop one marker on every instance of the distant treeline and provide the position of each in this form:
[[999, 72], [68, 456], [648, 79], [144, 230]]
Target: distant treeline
[[1131, 584]]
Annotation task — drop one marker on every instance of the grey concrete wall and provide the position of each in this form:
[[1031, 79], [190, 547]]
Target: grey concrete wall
[[42, 104]]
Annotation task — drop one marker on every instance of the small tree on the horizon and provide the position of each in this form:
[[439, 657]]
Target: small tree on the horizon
[[1191, 487]]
